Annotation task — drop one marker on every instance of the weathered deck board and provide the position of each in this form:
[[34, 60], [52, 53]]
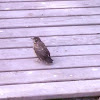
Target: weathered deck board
[[59, 62], [49, 75], [7, 1], [52, 41], [50, 13], [54, 89], [49, 31], [49, 5], [44, 22], [55, 51]]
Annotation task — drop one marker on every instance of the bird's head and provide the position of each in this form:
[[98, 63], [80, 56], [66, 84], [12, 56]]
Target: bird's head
[[36, 39]]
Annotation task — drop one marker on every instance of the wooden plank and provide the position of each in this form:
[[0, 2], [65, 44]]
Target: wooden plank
[[55, 51], [49, 31], [49, 13], [51, 41], [55, 21], [38, 76], [52, 90], [59, 62], [30, 0], [4, 1], [48, 5]]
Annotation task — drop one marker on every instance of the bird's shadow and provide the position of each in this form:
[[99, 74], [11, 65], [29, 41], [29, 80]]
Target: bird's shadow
[[43, 62]]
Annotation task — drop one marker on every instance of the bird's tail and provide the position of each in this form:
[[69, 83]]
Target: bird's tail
[[49, 60]]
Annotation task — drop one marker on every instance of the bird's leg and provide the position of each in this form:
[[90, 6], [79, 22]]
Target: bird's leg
[[45, 62], [37, 60]]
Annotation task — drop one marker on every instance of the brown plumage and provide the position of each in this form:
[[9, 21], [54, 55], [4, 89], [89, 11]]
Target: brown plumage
[[41, 50]]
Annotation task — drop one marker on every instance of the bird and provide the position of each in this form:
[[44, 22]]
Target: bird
[[41, 50]]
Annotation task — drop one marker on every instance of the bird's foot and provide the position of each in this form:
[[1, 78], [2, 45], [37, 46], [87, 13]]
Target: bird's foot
[[38, 60]]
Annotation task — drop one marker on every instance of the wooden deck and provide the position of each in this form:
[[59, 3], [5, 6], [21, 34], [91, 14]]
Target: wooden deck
[[71, 31]]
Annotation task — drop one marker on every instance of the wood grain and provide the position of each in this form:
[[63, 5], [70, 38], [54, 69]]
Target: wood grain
[[50, 13], [52, 90], [49, 31], [59, 62], [51, 41], [55, 51], [48, 5], [23, 77], [7, 1], [44, 22]]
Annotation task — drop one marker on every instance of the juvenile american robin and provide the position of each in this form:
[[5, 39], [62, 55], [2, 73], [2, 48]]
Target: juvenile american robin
[[41, 50]]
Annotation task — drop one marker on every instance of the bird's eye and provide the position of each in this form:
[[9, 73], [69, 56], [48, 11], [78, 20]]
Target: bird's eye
[[36, 40]]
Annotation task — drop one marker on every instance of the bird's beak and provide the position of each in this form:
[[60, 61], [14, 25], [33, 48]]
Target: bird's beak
[[32, 38]]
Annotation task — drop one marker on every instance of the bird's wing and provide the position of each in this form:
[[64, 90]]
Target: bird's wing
[[44, 48], [41, 50]]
